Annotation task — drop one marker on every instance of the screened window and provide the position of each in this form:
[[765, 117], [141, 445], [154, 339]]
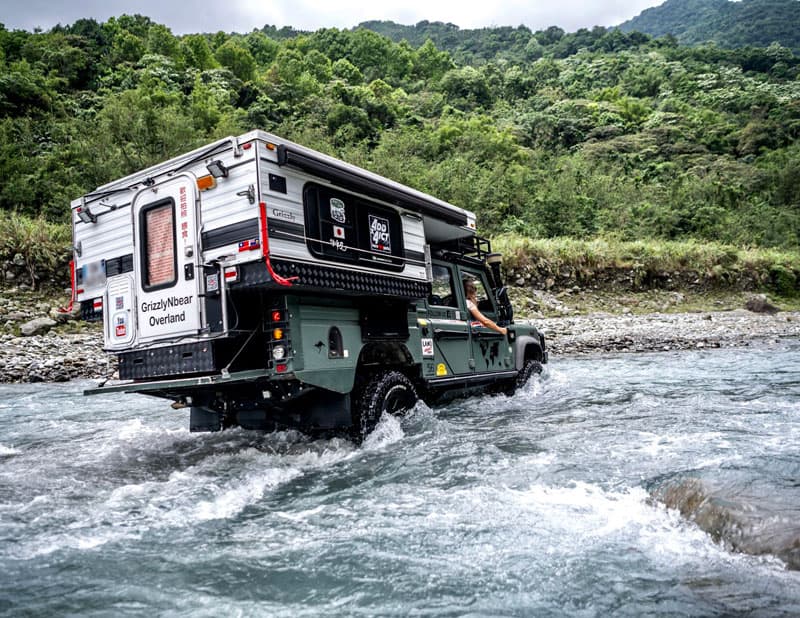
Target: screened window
[[158, 246]]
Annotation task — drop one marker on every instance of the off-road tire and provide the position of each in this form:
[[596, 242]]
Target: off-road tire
[[528, 369], [388, 392]]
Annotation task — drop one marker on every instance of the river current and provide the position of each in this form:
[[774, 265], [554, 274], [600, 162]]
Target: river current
[[652, 484]]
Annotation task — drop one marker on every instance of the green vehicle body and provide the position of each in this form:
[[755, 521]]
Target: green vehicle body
[[335, 343]]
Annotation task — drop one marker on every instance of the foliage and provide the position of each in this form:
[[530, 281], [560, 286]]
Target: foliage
[[42, 247], [756, 23], [596, 133], [713, 264]]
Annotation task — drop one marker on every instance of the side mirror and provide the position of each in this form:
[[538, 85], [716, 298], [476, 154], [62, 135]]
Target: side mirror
[[505, 310]]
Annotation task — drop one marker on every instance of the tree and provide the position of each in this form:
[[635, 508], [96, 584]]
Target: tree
[[160, 41], [235, 56], [197, 52]]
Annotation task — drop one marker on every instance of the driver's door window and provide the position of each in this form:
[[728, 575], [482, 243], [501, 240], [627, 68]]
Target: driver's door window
[[442, 291]]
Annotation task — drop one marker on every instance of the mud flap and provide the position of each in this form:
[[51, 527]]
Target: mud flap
[[203, 419]]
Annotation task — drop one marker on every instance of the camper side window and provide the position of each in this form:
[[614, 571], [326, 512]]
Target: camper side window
[[158, 246], [346, 228]]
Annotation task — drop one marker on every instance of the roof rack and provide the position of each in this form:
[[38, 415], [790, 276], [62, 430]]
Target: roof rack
[[470, 248]]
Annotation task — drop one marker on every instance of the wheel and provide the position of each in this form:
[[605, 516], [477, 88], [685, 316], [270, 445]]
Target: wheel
[[528, 369], [388, 392]]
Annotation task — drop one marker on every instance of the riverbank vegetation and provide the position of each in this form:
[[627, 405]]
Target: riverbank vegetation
[[618, 140]]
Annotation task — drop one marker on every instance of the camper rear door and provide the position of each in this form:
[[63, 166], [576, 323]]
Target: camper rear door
[[167, 281]]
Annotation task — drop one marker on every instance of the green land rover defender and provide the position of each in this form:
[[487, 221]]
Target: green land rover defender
[[262, 284]]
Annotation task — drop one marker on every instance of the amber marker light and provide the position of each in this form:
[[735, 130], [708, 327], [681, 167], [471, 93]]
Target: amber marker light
[[204, 183], [277, 333]]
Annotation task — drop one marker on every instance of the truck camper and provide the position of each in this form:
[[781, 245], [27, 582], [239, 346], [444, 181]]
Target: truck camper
[[262, 284]]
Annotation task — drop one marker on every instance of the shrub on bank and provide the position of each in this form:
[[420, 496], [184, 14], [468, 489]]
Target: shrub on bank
[[34, 252], [647, 264]]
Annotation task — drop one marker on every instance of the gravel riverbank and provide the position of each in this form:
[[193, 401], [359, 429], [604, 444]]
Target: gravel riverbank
[[588, 334], [57, 356]]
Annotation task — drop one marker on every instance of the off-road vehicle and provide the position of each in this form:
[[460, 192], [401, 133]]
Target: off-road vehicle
[[260, 283]]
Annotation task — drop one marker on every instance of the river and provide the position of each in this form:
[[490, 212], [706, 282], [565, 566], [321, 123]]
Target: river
[[633, 484]]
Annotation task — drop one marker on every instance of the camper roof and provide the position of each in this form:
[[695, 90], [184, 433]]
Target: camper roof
[[440, 217]]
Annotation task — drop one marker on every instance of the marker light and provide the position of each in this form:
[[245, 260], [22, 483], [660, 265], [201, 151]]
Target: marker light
[[277, 333], [276, 316], [204, 183]]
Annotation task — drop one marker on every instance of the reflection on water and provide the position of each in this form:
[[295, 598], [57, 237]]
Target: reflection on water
[[663, 484]]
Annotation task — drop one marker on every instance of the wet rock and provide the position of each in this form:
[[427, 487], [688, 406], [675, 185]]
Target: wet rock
[[37, 326], [760, 304], [58, 316]]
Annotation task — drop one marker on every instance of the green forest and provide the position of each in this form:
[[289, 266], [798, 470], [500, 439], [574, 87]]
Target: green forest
[[729, 24], [593, 134]]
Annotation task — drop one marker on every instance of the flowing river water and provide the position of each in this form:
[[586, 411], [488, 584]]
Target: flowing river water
[[650, 484]]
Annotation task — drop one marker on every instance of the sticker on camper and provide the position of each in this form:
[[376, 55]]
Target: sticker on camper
[[427, 348], [119, 302], [120, 328], [212, 282], [338, 232], [338, 212], [379, 238]]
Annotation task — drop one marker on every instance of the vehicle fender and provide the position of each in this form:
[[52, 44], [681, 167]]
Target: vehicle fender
[[337, 379], [526, 347], [340, 377]]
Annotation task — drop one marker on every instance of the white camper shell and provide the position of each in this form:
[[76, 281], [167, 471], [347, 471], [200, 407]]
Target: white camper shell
[[157, 252]]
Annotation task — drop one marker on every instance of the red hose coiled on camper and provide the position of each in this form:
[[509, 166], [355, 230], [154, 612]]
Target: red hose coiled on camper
[[68, 308], [265, 250]]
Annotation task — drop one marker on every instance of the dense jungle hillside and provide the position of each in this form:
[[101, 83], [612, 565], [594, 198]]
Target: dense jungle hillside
[[758, 23], [597, 133]]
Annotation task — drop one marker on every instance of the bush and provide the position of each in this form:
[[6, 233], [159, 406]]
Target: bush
[[784, 280], [38, 248], [652, 262]]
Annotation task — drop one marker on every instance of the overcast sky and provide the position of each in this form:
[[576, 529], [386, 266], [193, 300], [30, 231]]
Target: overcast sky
[[245, 15]]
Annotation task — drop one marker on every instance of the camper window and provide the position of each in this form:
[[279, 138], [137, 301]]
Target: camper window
[[158, 245], [346, 228]]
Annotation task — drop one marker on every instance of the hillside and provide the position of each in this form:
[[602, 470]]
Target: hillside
[[755, 23], [587, 134]]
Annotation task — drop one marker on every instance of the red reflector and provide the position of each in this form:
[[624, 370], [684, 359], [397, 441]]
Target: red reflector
[[281, 368], [247, 146], [276, 316], [231, 274], [79, 291], [97, 303]]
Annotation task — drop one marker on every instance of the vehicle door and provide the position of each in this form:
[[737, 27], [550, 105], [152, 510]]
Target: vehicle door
[[490, 350], [448, 325], [165, 240]]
